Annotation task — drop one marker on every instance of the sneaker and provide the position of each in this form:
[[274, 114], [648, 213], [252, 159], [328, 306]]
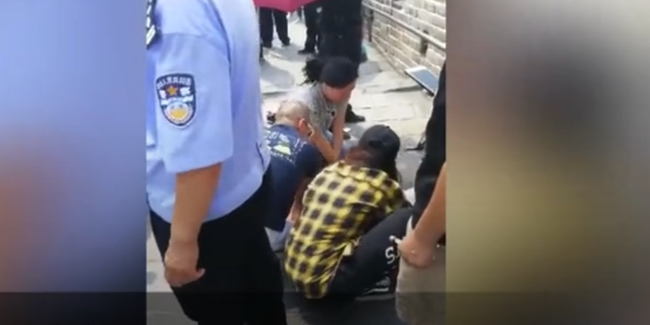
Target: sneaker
[[383, 286], [384, 289], [267, 45], [286, 43]]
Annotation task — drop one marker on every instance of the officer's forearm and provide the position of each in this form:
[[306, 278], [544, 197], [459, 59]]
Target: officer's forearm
[[195, 192], [432, 223]]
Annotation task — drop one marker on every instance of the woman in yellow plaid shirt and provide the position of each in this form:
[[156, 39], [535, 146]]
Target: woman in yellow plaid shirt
[[340, 245]]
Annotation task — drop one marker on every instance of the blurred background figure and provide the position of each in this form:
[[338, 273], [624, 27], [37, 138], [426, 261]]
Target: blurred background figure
[[298, 13], [268, 18], [24, 195], [341, 30], [257, 10], [311, 14]]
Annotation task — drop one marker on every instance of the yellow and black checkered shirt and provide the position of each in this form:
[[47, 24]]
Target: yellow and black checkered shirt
[[340, 204]]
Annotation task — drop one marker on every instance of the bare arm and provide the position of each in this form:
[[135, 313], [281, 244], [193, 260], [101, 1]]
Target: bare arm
[[432, 224], [331, 151], [195, 191], [325, 147], [337, 130], [296, 208]]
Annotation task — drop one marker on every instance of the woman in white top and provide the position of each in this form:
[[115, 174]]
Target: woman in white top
[[328, 87]]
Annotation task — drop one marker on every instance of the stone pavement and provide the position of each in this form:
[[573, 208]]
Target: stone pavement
[[383, 96]]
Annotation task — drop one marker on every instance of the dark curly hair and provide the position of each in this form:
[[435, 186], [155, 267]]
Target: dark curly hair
[[336, 72]]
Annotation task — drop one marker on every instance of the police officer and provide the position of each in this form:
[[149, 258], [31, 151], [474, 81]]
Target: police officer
[[207, 178], [341, 31]]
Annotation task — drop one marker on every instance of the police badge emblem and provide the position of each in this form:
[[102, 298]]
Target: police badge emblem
[[177, 98]]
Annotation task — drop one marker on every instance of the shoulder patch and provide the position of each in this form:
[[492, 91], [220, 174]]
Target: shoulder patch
[[177, 98], [150, 27]]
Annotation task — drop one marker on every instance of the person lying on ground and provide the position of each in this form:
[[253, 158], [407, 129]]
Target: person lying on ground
[[339, 246], [294, 161]]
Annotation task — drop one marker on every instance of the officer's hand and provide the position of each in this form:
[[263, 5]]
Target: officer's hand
[[180, 263]]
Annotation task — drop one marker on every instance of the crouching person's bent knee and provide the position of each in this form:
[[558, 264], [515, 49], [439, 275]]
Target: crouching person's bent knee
[[420, 298]]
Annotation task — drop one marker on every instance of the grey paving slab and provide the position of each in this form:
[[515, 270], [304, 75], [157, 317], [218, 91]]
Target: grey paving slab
[[384, 96]]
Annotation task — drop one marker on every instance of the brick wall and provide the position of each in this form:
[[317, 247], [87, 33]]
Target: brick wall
[[398, 45]]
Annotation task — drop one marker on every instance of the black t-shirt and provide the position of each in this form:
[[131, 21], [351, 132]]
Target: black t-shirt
[[435, 152], [292, 161], [347, 12]]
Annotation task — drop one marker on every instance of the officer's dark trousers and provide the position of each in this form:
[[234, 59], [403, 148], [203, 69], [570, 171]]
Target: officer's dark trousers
[[310, 12], [373, 258], [270, 17], [242, 281], [340, 38]]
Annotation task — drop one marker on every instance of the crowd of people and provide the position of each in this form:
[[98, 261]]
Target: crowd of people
[[226, 192], [333, 27], [274, 19]]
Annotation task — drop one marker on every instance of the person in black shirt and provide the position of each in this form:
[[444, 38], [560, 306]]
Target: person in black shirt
[[341, 31], [435, 150], [418, 271], [294, 162]]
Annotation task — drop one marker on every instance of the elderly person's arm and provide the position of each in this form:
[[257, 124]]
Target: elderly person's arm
[[296, 207]]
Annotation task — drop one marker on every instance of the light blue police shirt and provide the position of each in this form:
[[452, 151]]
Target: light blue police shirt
[[204, 104]]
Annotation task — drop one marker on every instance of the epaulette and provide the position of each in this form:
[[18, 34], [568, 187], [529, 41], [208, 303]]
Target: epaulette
[[151, 27]]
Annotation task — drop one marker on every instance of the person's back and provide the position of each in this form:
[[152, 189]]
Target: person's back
[[340, 247], [199, 19], [341, 204], [350, 10], [293, 161]]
